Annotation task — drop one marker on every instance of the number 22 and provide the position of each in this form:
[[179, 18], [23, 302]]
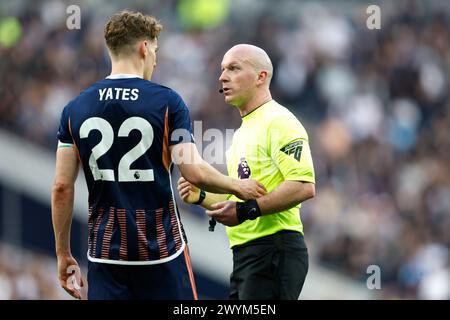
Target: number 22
[[106, 142]]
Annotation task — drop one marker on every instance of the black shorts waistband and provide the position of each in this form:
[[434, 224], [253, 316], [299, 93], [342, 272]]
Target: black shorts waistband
[[268, 239]]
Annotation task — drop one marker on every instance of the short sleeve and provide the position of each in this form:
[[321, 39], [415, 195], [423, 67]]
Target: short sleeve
[[289, 148], [180, 129], [64, 134]]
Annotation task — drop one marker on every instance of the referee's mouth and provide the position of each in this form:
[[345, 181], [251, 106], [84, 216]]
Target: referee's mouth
[[225, 90]]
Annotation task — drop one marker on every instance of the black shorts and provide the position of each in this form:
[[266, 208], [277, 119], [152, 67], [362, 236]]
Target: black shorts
[[270, 268]]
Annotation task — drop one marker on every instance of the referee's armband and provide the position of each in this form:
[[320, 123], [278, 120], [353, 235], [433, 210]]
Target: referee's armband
[[248, 210]]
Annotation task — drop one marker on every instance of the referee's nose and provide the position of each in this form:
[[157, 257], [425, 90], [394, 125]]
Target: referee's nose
[[223, 78]]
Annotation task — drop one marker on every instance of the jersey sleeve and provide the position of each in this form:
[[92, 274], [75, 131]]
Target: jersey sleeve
[[64, 136], [289, 149], [180, 129]]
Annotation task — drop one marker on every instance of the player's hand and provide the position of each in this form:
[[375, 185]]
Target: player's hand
[[224, 212], [69, 275], [187, 191], [249, 189]]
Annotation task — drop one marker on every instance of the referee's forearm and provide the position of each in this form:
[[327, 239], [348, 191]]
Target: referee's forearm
[[287, 195], [62, 208]]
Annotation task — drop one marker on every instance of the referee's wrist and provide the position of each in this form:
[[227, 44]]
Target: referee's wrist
[[247, 210]]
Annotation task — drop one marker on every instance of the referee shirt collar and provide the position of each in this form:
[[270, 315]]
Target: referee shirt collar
[[247, 116]]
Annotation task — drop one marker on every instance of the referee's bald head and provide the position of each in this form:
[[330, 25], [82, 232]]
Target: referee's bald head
[[255, 56]]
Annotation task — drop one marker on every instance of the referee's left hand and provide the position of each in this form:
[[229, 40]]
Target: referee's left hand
[[224, 212]]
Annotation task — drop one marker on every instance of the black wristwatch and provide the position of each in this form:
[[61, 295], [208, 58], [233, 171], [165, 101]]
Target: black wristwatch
[[248, 210], [202, 197]]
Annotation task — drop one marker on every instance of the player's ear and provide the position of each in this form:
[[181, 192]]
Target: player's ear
[[143, 51]]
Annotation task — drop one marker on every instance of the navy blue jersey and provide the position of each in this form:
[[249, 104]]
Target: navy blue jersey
[[122, 127]]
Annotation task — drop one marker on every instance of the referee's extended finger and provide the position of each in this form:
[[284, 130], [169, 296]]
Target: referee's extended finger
[[213, 213], [219, 205]]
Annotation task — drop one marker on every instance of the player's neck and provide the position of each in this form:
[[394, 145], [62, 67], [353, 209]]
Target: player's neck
[[257, 101], [127, 67]]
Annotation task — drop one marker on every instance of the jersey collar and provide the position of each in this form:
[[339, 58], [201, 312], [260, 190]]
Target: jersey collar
[[122, 76]]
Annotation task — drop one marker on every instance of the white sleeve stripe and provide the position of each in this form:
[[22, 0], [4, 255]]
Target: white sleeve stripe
[[64, 145]]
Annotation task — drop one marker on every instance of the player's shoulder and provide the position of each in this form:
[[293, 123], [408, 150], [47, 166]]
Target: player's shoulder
[[153, 86], [87, 92], [161, 90], [69, 106], [158, 86]]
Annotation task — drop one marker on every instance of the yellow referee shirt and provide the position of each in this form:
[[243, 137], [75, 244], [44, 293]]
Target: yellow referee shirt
[[271, 146]]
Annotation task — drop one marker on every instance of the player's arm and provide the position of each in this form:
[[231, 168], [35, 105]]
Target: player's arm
[[62, 208], [191, 194], [198, 172], [287, 195]]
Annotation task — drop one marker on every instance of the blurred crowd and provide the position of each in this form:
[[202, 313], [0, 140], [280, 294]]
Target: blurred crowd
[[26, 275], [375, 103]]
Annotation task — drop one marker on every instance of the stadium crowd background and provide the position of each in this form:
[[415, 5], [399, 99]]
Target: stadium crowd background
[[375, 103]]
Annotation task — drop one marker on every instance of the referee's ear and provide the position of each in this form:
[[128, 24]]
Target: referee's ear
[[262, 77]]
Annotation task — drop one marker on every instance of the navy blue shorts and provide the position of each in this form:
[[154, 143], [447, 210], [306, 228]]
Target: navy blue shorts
[[171, 280]]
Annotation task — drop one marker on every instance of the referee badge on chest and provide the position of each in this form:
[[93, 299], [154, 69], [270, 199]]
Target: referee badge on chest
[[244, 171]]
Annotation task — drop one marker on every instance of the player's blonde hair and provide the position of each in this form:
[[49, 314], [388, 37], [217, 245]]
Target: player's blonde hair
[[125, 28]]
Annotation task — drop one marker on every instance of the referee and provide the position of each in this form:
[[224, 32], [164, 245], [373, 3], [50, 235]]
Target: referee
[[270, 257]]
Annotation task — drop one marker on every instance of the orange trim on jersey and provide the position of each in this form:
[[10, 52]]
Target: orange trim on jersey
[[191, 273], [165, 152]]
